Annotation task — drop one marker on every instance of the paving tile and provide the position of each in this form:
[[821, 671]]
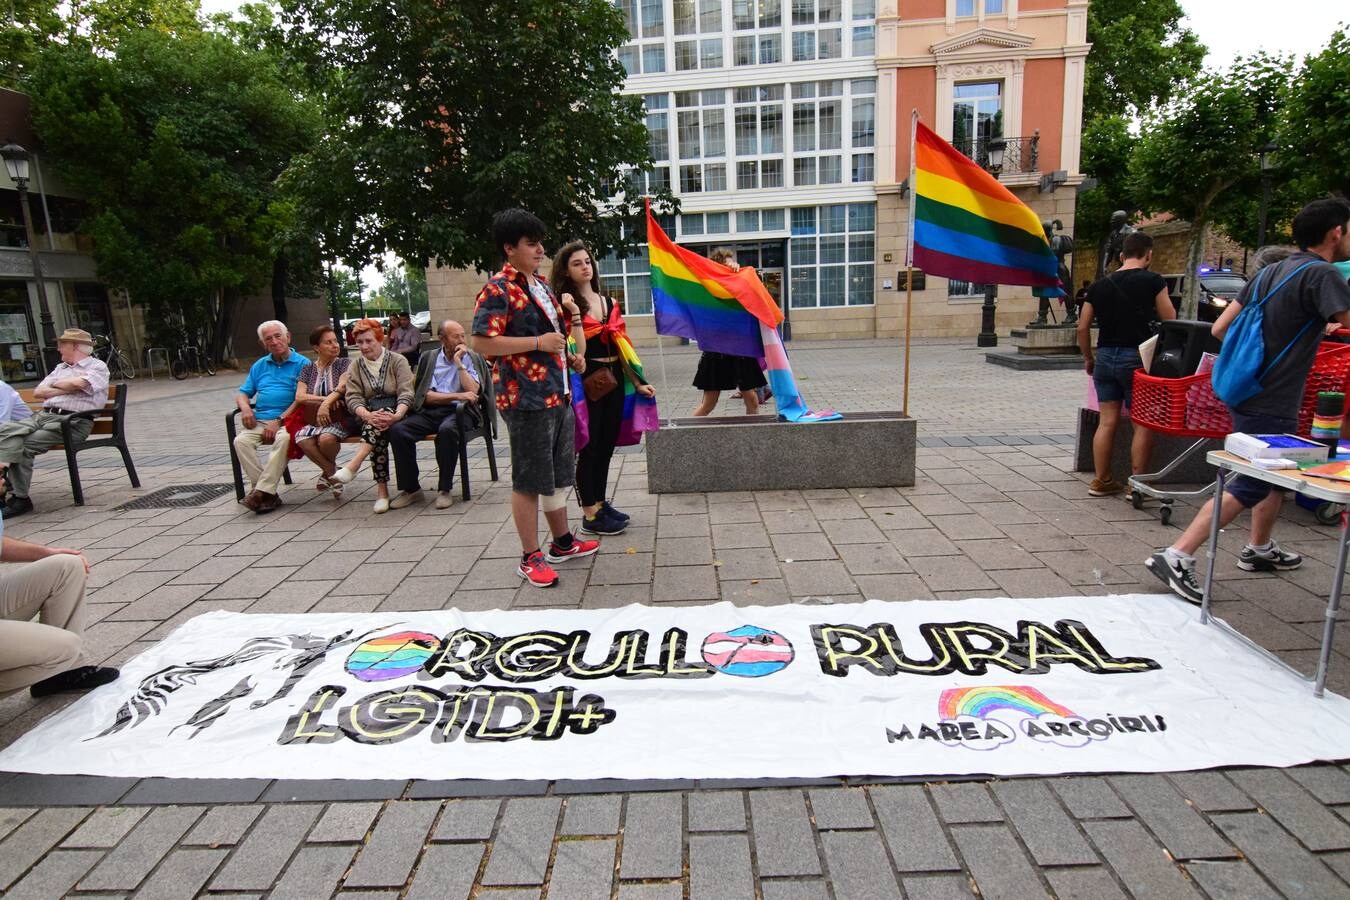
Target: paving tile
[[1294, 808], [153, 837], [621, 568], [743, 565], [788, 890], [842, 807], [54, 875], [685, 582], [893, 587], [301, 789], [716, 811], [858, 867], [520, 851], [784, 842], [263, 854], [582, 870], [819, 578], [1048, 833], [1084, 884], [802, 546], [1329, 784], [652, 837], [447, 872], [1211, 791], [937, 887], [997, 863], [343, 823], [182, 874], [719, 867], [740, 536], [1230, 880], [650, 892], [1090, 797], [196, 790], [11, 819], [223, 825], [1295, 872], [1184, 833], [962, 802], [105, 827], [1140, 863], [596, 814], [477, 787], [315, 872], [63, 790], [912, 829], [388, 856], [467, 820]]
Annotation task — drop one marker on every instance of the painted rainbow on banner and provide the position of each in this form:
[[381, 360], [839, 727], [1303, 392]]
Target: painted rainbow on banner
[[970, 227], [696, 298], [981, 701], [392, 655]]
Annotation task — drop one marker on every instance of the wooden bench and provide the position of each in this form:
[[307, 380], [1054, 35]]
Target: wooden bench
[[487, 410], [109, 431]]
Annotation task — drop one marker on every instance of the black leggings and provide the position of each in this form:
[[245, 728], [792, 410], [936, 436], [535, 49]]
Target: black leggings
[[593, 461]]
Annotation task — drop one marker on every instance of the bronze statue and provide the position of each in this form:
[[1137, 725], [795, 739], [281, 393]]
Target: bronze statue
[[1061, 245], [1115, 239]]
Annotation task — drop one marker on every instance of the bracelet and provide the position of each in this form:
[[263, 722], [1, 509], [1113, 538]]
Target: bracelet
[[536, 343]]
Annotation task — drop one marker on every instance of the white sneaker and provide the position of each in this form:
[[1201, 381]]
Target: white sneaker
[[406, 498], [445, 499], [381, 505]]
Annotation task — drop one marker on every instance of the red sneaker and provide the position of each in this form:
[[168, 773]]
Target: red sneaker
[[536, 572], [577, 549]]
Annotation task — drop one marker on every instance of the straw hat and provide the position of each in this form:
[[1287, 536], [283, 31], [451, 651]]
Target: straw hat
[[76, 336]]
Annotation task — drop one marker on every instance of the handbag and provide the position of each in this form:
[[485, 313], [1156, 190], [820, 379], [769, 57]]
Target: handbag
[[381, 403], [599, 383]]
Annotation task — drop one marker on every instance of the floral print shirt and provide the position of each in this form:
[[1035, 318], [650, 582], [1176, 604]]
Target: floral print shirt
[[504, 308]]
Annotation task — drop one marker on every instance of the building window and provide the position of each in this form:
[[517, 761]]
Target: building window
[[979, 7], [977, 117], [758, 123], [832, 255], [822, 113], [629, 281], [646, 28], [701, 134], [698, 17]]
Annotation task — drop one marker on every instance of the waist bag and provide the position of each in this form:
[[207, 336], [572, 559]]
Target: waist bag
[[1241, 366]]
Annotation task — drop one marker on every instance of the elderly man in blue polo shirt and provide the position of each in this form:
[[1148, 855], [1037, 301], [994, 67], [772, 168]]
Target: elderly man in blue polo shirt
[[271, 380]]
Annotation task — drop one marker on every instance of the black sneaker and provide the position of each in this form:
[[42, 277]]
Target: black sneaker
[[1178, 576], [605, 505], [1253, 560], [84, 678], [603, 522], [17, 506]]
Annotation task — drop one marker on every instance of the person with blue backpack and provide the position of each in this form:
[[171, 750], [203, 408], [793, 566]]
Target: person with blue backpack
[[1270, 335]]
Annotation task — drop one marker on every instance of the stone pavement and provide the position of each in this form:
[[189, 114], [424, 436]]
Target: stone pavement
[[994, 512]]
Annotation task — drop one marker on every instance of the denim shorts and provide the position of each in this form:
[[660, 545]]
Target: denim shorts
[[1113, 373], [1250, 491]]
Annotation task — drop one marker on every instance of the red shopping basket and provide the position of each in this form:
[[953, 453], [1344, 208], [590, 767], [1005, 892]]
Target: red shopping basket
[[1187, 407]]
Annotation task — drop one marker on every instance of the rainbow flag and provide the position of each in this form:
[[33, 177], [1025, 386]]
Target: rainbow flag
[[699, 299], [968, 226]]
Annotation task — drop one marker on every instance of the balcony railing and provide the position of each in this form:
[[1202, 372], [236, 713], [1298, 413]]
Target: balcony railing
[[1021, 155]]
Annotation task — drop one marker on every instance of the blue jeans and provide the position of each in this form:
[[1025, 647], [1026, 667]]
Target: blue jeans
[[1113, 373]]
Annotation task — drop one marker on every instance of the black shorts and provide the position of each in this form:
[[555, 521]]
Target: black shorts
[[542, 454], [722, 372]]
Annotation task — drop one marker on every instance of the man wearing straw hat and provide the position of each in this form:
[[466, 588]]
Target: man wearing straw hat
[[70, 392]]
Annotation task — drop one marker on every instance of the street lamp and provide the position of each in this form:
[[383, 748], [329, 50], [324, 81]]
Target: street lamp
[[16, 163], [1264, 154], [996, 149]]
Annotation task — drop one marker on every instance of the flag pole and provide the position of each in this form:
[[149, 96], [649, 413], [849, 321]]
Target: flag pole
[[660, 344], [909, 260]]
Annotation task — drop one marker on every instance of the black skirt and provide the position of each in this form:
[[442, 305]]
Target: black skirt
[[722, 372]]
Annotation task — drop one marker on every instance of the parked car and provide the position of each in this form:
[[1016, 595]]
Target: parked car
[[421, 321], [1217, 288]]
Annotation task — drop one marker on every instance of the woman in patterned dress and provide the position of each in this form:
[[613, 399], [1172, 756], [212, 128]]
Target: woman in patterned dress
[[325, 380]]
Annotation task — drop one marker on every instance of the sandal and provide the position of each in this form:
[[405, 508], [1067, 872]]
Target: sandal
[[323, 484]]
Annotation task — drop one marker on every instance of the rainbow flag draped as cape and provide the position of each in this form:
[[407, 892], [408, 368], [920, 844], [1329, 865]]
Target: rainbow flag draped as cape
[[725, 311], [970, 227]]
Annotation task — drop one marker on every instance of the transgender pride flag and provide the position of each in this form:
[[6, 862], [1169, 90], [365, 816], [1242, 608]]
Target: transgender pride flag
[[725, 311]]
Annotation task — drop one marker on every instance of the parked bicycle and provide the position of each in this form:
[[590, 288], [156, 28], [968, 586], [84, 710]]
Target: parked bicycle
[[191, 359], [119, 364]]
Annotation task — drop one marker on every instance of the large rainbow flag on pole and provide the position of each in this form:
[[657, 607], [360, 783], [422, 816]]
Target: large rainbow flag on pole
[[970, 227], [725, 311]]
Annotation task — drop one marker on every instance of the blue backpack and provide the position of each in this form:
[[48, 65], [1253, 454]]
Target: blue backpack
[[1241, 365]]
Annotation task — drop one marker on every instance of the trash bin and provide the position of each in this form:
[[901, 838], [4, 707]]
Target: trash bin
[[1181, 342]]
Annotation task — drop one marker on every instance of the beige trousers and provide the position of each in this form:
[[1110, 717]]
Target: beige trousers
[[53, 590], [264, 478]]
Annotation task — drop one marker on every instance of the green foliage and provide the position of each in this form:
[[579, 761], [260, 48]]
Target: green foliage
[[176, 143], [1317, 132], [444, 113], [348, 291], [1107, 144], [404, 289], [1198, 155], [1140, 54]]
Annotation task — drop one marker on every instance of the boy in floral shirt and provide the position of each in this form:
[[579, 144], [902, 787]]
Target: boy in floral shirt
[[521, 327]]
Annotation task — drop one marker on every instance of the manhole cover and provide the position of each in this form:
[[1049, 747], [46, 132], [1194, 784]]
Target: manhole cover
[[178, 496]]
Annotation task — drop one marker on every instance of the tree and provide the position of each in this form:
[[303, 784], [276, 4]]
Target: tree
[[1140, 53], [176, 142], [1318, 117], [1199, 152], [444, 113], [405, 289]]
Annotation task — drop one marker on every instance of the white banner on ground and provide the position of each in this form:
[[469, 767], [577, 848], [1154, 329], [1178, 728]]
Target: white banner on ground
[[1006, 687]]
